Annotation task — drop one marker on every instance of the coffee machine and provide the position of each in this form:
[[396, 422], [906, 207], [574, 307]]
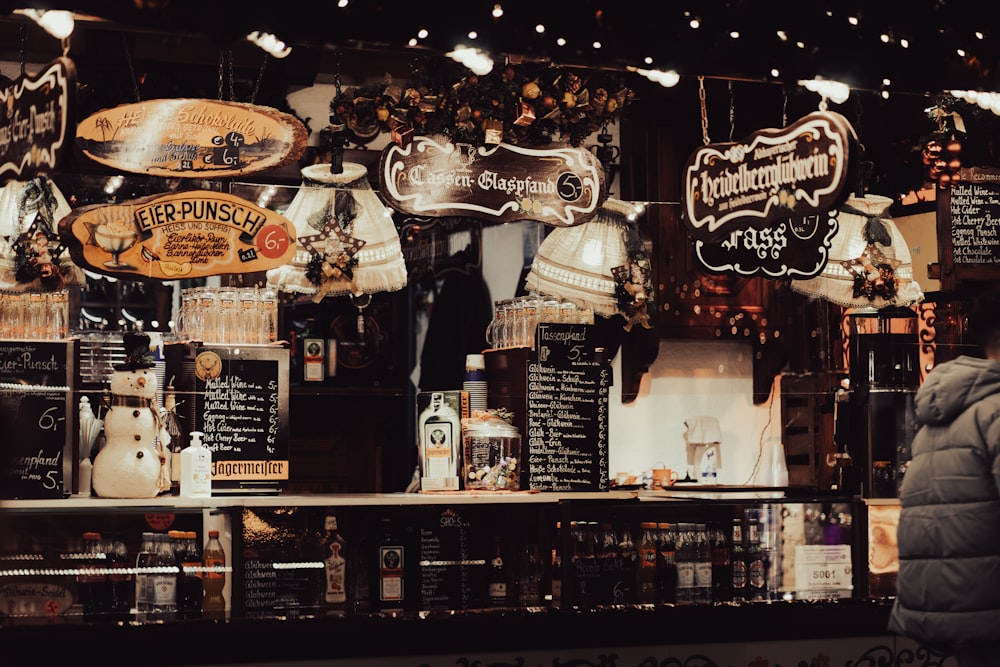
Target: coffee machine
[[875, 421]]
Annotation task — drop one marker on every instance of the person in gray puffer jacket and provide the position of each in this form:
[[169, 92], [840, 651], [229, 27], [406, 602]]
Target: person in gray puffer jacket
[[948, 585]]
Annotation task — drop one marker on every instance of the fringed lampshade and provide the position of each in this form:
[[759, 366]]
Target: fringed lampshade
[[347, 241], [32, 257], [869, 265], [600, 264]]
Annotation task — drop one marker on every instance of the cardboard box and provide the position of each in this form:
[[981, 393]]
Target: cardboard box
[[439, 437]]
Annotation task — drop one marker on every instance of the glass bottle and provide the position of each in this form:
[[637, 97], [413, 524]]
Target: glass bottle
[[645, 590], [666, 563], [756, 575], [702, 564], [529, 576], [335, 566], [143, 580], [213, 559], [720, 565], [497, 583], [164, 578], [312, 352], [190, 591], [120, 578], [556, 578], [607, 544], [628, 554], [391, 570], [92, 583], [737, 563], [685, 564]]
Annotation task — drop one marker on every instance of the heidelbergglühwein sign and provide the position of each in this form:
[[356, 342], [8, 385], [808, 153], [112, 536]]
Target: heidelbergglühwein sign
[[192, 234], [560, 187], [798, 170], [35, 121], [191, 138]]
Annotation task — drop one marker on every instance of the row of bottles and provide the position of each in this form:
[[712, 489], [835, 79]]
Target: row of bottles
[[171, 578], [664, 563]]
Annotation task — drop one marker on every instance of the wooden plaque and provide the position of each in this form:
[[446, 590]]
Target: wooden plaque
[[798, 170], [561, 187], [191, 138], [38, 114], [181, 235]]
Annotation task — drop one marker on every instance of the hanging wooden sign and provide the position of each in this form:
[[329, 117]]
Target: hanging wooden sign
[[798, 170], [796, 247], [561, 187], [190, 234], [191, 138], [35, 122]]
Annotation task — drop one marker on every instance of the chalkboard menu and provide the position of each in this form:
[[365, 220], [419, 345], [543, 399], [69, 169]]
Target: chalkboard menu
[[969, 227], [567, 420], [452, 568], [241, 405], [36, 418], [274, 537]]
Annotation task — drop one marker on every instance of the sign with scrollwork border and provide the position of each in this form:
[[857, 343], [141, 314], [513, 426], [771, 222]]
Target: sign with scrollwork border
[[796, 247], [180, 235], [562, 186], [191, 138], [798, 170], [35, 120]]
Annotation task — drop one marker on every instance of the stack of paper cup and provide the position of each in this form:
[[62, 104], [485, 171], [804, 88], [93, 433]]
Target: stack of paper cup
[[475, 381]]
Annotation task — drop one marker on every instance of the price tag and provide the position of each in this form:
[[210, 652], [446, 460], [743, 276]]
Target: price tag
[[823, 567]]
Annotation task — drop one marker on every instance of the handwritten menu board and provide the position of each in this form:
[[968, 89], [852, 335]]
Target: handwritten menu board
[[241, 405], [36, 418], [451, 576], [969, 227], [567, 423], [273, 536]]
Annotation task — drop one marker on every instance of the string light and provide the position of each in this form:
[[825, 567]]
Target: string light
[[270, 44], [835, 91], [475, 59], [57, 22]]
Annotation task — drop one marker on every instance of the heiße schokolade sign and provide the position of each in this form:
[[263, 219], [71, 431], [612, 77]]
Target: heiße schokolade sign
[[568, 384], [774, 174]]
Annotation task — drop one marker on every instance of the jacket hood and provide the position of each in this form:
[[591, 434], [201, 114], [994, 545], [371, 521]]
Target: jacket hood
[[955, 385]]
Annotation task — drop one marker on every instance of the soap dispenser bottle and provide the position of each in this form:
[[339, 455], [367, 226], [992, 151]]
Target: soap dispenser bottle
[[196, 468]]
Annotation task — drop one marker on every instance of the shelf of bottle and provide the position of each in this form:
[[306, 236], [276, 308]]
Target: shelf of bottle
[[75, 503]]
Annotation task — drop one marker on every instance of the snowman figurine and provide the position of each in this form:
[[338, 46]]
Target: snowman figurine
[[134, 462]]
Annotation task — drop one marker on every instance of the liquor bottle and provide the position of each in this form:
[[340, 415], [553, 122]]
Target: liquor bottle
[[702, 564], [738, 563], [497, 581], [628, 555], [666, 564], [440, 430], [312, 351], [335, 566], [391, 570], [143, 580], [529, 579], [685, 564], [92, 584], [190, 589], [556, 564], [607, 543], [119, 578], [213, 559], [645, 589], [720, 565], [756, 575], [164, 578], [359, 600]]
